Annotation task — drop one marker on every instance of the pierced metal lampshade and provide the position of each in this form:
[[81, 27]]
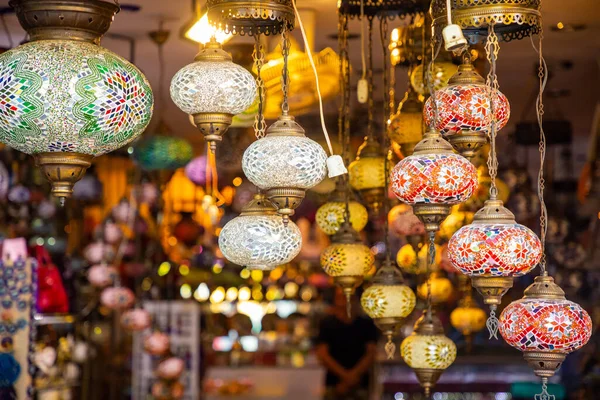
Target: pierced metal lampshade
[[251, 17]]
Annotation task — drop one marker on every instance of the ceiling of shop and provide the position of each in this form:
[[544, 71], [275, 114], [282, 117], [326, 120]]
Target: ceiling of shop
[[572, 56]]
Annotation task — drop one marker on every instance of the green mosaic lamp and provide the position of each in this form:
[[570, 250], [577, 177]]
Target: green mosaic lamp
[[63, 98], [163, 151]]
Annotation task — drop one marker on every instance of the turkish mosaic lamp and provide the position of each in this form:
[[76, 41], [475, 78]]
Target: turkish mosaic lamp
[[65, 99], [331, 215]]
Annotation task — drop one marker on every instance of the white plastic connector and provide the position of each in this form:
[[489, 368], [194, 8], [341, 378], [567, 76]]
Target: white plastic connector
[[454, 39], [335, 166], [362, 91]]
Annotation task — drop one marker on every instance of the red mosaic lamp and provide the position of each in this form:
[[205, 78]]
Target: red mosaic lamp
[[545, 326], [433, 179], [464, 113]]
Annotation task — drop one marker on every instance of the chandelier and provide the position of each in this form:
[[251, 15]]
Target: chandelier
[[257, 239], [65, 99], [388, 301], [463, 110]]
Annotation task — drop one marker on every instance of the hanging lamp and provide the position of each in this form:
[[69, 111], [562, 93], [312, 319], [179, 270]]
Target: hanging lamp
[[433, 179], [406, 126], [443, 71], [463, 110], [467, 318], [388, 301], [213, 89], [330, 215], [65, 99], [258, 239]]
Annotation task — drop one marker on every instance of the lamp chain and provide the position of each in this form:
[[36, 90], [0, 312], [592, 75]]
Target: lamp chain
[[545, 395], [370, 101], [435, 50], [258, 56], [383, 27], [285, 76], [543, 78], [344, 110], [492, 48], [430, 261]]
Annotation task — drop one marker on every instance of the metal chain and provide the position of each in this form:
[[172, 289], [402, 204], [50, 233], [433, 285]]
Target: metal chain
[[343, 117], [383, 27], [492, 48], [429, 82], [285, 75], [258, 55], [370, 102], [430, 262], [543, 77]]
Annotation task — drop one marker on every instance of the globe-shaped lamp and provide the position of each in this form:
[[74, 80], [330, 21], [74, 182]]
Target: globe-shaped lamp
[[388, 301], [213, 89], [545, 326], [403, 222], [464, 113], [406, 126], [468, 318], [195, 170], [440, 286], [428, 351], [331, 215], [433, 179], [443, 71], [285, 163], [367, 174], [161, 152], [415, 262], [492, 251], [258, 239], [65, 99]]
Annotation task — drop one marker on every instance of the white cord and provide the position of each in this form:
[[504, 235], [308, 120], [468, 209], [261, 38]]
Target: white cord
[[362, 39], [449, 11], [312, 63]]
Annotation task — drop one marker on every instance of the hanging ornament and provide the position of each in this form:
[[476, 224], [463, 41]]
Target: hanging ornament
[[433, 179], [439, 286], [157, 343], [285, 163], [136, 320], [463, 110], [195, 170], [456, 220], [69, 100], [492, 251], [403, 222], [414, 261], [330, 215], [117, 298], [442, 72], [545, 326], [468, 318], [367, 174], [347, 260], [102, 275], [406, 126], [213, 89], [388, 301], [258, 239], [161, 152], [171, 368], [428, 351]]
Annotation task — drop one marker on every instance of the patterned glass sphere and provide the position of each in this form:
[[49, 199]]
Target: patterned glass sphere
[[453, 222], [443, 71], [163, 152], [441, 288], [367, 173], [464, 105], [331, 215], [347, 259], [550, 324], [388, 301], [285, 158], [213, 85], [434, 178], [258, 238], [411, 262], [70, 96], [428, 351], [468, 318], [494, 247], [406, 126], [403, 221]]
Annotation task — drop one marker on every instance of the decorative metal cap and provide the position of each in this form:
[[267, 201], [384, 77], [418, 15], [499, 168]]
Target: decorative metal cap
[[544, 288], [346, 234], [259, 205], [79, 20], [63, 170], [285, 125], [544, 364], [466, 74], [494, 212], [433, 143], [389, 8], [492, 288], [252, 17], [388, 274], [213, 51], [428, 325]]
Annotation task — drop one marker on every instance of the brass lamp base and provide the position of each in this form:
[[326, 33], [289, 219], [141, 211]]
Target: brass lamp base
[[428, 377], [286, 200], [373, 198], [389, 327], [468, 143], [492, 288], [63, 170], [348, 285], [432, 215], [213, 126], [544, 364]]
